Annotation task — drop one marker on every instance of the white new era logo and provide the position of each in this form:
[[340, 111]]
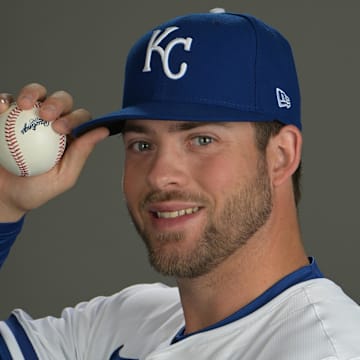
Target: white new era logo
[[282, 99]]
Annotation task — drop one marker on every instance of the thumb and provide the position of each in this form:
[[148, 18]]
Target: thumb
[[78, 152]]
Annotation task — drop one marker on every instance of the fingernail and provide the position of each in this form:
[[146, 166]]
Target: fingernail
[[6, 98]]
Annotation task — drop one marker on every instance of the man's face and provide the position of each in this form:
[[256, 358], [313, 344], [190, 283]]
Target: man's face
[[195, 191]]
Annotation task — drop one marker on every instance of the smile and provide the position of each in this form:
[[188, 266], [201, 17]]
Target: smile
[[177, 213]]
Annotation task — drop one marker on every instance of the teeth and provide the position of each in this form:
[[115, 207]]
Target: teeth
[[175, 214]]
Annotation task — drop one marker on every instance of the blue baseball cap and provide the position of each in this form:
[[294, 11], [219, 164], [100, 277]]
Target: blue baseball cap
[[213, 66]]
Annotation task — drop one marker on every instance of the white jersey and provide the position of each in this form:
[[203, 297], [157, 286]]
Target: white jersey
[[312, 320]]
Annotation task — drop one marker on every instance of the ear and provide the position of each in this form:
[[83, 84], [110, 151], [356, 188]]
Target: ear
[[284, 154]]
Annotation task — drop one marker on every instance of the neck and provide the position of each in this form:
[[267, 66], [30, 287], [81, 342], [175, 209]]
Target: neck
[[272, 253]]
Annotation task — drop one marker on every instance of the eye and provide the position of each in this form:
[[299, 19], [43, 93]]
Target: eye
[[140, 146], [202, 140]]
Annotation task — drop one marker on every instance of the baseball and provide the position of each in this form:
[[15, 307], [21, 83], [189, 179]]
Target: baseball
[[28, 144]]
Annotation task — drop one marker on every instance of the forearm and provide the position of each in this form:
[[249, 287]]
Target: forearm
[[8, 234]]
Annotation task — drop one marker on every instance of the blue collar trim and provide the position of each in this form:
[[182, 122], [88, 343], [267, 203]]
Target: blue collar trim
[[305, 273]]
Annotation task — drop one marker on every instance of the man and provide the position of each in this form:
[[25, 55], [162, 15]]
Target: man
[[212, 134]]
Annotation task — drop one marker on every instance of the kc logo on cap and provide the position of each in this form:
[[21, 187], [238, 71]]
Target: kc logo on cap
[[208, 67], [154, 45]]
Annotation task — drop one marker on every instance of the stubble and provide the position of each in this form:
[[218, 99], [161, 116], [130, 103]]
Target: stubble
[[245, 212]]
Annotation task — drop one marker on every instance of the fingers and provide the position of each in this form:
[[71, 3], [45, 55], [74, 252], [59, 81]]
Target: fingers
[[66, 123], [81, 147], [55, 105], [30, 94], [57, 108], [18, 194], [52, 107]]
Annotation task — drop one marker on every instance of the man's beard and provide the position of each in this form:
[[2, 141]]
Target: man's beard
[[245, 212]]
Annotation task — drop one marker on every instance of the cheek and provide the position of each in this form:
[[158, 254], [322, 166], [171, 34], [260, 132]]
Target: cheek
[[216, 175], [224, 175]]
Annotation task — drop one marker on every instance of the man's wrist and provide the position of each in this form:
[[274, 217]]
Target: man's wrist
[[10, 215]]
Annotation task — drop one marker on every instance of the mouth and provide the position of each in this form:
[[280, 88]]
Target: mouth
[[176, 213]]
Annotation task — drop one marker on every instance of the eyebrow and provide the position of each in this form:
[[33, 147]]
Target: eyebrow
[[174, 127]]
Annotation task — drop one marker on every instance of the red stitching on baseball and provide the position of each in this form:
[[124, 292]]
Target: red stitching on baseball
[[61, 148], [12, 143]]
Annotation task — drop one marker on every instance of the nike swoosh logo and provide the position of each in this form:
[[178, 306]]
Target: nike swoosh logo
[[116, 355]]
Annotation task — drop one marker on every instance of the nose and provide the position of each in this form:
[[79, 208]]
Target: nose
[[168, 170]]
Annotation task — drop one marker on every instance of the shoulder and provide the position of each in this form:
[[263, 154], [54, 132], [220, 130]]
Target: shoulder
[[136, 298], [127, 306], [314, 319], [105, 322], [330, 304], [320, 312], [322, 295]]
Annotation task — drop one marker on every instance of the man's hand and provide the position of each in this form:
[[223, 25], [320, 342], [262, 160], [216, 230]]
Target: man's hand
[[21, 194]]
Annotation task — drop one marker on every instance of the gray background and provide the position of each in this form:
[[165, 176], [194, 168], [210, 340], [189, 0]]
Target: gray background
[[83, 244]]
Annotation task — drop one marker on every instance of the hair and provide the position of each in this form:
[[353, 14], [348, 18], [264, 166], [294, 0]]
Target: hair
[[263, 132]]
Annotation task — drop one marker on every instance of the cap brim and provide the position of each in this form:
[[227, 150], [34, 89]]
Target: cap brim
[[170, 111]]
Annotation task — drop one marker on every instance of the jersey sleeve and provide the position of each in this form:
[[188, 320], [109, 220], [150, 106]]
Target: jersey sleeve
[[64, 337], [91, 330], [8, 235]]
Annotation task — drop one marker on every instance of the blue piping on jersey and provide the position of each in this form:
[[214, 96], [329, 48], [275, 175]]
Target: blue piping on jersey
[[305, 273], [4, 352], [116, 355], [21, 338]]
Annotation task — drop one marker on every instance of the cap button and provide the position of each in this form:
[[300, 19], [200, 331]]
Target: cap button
[[217, 11]]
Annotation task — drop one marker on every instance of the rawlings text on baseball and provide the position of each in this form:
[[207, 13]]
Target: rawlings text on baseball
[[28, 144]]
